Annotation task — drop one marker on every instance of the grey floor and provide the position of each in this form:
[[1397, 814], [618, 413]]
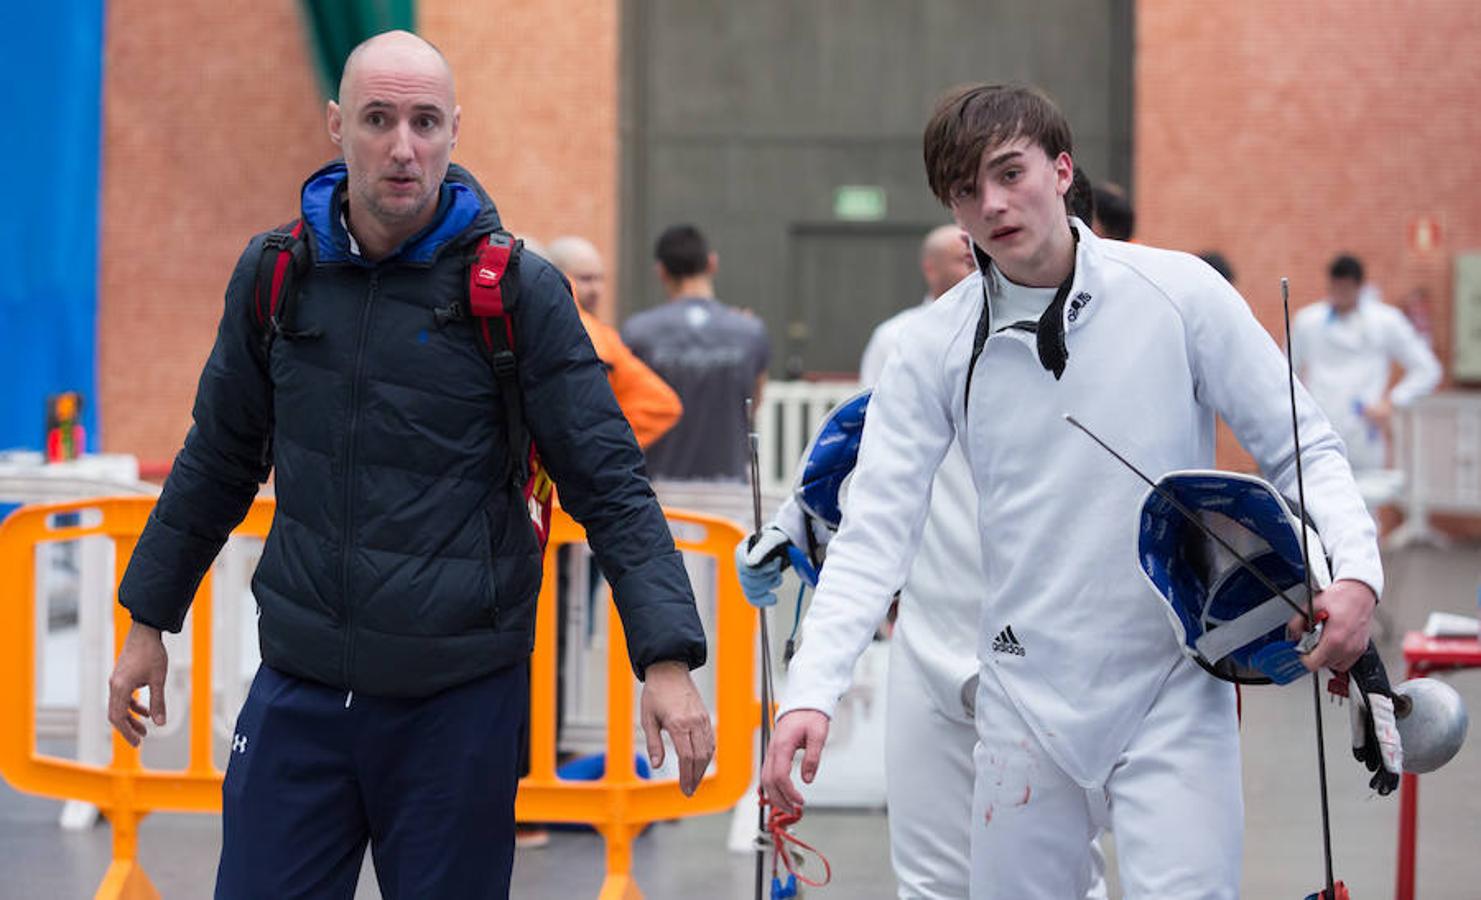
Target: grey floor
[[688, 859]]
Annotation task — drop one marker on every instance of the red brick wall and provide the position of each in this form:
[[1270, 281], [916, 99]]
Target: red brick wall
[[538, 84], [212, 118], [1282, 134]]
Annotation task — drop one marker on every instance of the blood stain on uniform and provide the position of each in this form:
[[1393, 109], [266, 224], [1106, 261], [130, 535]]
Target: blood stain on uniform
[[1028, 789], [987, 819]]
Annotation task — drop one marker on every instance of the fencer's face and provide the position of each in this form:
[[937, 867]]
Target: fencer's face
[[1344, 293], [1014, 207]]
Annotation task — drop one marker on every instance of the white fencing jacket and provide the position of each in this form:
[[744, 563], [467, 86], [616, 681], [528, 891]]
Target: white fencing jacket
[[1344, 361], [941, 600], [1158, 344]]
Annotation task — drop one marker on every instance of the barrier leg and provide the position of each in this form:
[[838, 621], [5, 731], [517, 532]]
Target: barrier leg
[[125, 878], [618, 883]]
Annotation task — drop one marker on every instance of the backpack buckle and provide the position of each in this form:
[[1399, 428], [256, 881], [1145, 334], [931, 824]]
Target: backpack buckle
[[504, 365]]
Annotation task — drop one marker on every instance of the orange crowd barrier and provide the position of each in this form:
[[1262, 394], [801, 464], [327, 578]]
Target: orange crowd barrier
[[618, 805]]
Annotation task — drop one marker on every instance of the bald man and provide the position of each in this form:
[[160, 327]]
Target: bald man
[[944, 260], [651, 406], [396, 590], [579, 259]]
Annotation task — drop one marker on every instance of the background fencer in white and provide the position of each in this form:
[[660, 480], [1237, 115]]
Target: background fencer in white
[[1097, 714], [1344, 348], [933, 649]]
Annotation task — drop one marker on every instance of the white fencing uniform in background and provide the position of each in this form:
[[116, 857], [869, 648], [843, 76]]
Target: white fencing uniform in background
[[933, 657], [1087, 710], [1345, 360]]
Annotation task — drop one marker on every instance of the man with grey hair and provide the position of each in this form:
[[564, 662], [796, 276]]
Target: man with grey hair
[[396, 590]]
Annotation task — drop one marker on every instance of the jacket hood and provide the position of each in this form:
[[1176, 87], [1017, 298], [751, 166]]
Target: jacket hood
[[464, 208]]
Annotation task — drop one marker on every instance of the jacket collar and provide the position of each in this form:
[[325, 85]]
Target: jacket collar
[[460, 206], [1070, 306]]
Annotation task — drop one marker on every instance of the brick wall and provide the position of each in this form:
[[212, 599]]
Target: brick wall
[[538, 85], [1282, 134], [212, 118]]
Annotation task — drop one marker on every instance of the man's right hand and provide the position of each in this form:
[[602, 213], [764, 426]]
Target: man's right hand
[[800, 729], [142, 663]]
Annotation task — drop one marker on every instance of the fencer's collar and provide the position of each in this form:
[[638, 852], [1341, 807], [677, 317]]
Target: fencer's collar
[[1057, 318]]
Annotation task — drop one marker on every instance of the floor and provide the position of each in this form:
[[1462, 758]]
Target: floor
[[689, 859]]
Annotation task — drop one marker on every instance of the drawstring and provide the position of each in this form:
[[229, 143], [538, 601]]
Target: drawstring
[[348, 697]]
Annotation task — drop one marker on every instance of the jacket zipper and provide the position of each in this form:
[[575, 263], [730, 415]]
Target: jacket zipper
[[349, 526]]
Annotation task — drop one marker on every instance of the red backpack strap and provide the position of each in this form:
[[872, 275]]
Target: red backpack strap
[[492, 294], [284, 254]]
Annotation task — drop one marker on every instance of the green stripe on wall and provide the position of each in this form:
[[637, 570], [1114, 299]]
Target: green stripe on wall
[[336, 26]]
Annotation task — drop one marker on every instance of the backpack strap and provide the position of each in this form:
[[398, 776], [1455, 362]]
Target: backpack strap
[[283, 259], [493, 291], [491, 299]]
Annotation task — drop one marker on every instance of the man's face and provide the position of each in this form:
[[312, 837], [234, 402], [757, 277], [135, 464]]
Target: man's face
[[396, 125], [1015, 205], [588, 278], [1344, 293], [947, 263]]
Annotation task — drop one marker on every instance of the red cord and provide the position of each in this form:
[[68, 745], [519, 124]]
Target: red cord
[[777, 825]]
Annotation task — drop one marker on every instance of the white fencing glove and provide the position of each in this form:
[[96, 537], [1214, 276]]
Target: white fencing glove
[[1375, 739], [759, 561], [1375, 730]]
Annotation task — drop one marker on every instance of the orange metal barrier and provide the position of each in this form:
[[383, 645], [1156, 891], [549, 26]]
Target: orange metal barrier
[[618, 806]]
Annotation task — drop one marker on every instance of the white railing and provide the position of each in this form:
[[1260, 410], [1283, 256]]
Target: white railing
[[789, 414], [1439, 450]]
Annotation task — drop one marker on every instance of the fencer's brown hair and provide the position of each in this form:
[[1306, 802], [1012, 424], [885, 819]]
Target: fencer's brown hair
[[971, 118]]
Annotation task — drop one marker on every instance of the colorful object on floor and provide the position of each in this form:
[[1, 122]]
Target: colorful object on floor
[[65, 437], [593, 767]]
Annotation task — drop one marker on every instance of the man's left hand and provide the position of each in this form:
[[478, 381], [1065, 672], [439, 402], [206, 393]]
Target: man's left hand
[[672, 703], [1349, 605]]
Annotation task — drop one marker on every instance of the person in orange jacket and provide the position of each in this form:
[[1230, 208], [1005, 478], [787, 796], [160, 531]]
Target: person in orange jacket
[[651, 406]]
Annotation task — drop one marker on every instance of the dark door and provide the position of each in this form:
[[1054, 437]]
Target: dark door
[[747, 119], [846, 279]]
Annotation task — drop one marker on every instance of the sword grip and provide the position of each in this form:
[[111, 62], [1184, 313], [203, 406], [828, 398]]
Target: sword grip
[[1372, 677]]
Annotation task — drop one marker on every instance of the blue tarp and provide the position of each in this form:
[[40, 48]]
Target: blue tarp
[[52, 72]]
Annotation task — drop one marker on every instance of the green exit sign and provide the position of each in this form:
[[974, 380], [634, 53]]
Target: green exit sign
[[859, 203]]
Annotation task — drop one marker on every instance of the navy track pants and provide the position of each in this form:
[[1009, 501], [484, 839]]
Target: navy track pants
[[316, 773]]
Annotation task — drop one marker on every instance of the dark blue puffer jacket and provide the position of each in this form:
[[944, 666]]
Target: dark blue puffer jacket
[[401, 561]]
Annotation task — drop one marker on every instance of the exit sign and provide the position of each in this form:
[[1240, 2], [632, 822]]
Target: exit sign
[[859, 203]]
